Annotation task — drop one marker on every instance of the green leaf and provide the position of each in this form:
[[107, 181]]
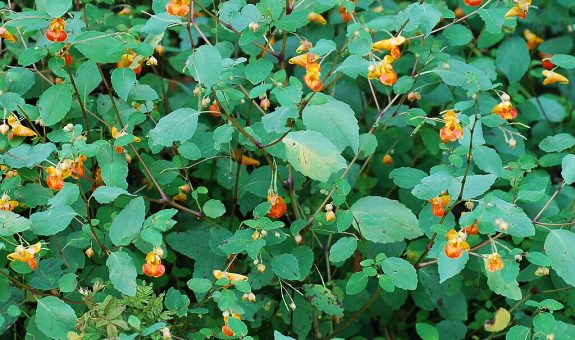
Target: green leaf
[[123, 79], [559, 248], [513, 58], [475, 185], [11, 223], [55, 318], [27, 156], [66, 196], [179, 125], [258, 70], [403, 85], [401, 272], [56, 9], [520, 224], [114, 167], [353, 66], [568, 169], [106, 194], [487, 159], [383, 220], [335, 120], [426, 331], [518, 332], [323, 299], [342, 249], [122, 272], [199, 285], [312, 154], [52, 221], [564, 60], [559, 142], [407, 178], [494, 18], [286, 266], [100, 47], [214, 208], [449, 267], [87, 79], [127, 225], [55, 103], [356, 283], [205, 65], [458, 35], [422, 17]]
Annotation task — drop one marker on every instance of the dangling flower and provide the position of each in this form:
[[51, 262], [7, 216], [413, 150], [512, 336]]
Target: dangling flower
[[125, 11], [312, 77], [304, 60], [18, 129], [131, 60], [119, 133], [278, 207], [226, 329], [178, 7], [519, 10], [180, 197], [77, 167], [153, 266], [6, 204], [452, 130], [384, 71], [56, 32], [473, 3], [316, 18], [345, 15], [243, 159], [4, 34], [391, 45], [532, 39], [98, 181], [55, 178], [456, 244], [505, 109], [303, 46], [494, 263], [232, 277], [552, 77], [438, 204], [26, 254], [546, 62], [473, 229], [387, 159]]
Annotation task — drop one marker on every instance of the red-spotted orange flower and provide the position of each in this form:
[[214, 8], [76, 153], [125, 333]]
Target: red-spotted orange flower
[[98, 181], [26, 254], [7, 204], [345, 15], [243, 159], [226, 329], [505, 109], [456, 244], [532, 39], [312, 77], [387, 159], [232, 277], [473, 3], [438, 204], [131, 60], [56, 31], [473, 229], [519, 10], [18, 129], [304, 46], [391, 45], [452, 130], [552, 77], [215, 109], [316, 18], [278, 208], [4, 34], [304, 60], [494, 263], [546, 62], [56, 176], [153, 266], [384, 71], [178, 7], [77, 167]]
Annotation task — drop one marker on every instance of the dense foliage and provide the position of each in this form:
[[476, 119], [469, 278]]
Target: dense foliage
[[287, 169]]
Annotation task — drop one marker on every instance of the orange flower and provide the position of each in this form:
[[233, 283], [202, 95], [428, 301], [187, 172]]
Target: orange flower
[[438, 204], [98, 181], [56, 32], [4, 34], [226, 329], [26, 254], [55, 178], [519, 10], [6, 204], [391, 45], [505, 110], [243, 159], [387, 159], [552, 77], [546, 62], [494, 263], [473, 229], [18, 129], [532, 39], [456, 244], [131, 60], [312, 77], [181, 197], [384, 71], [278, 208], [345, 15], [178, 7], [452, 130], [473, 3], [77, 167], [232, 277], [215, 109], [316, 18], [304, 46], [304, 60], [153, 266]]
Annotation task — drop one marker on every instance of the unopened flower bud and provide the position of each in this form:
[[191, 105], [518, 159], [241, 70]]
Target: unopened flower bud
[[152, 61], [542, 271], [245, 296], [251, 297], [512, 143], [505, 97], [261, 267], [206, 101], [330, 216], [502, 224], [256, 261], [264, 233], [469, 205], [387, 159], [39, 121], [89, 252], [158, 251], [276, 234], [518, 258], [256, 234], [68, 128], [298, 239], [196, 90], [265, 104], [329, 207], [225, 314], [4, 128], [64, 166], [292, 306], [166, 333], [254, 26], [160, 50], [413, 96], [446, 66]]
